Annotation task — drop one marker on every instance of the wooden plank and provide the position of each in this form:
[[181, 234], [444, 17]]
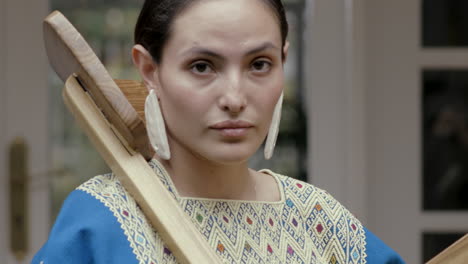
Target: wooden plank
[[68, 54], [457, 253], [139, 179]]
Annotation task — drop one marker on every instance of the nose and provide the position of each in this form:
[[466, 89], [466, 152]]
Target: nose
[[233, 98]]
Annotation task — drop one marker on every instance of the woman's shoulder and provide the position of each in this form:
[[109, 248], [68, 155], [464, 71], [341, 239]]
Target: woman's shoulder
[[105, 188], [324, 216], [92, 226]]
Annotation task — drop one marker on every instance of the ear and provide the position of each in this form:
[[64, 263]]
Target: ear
[[285, 51], [145, 64]]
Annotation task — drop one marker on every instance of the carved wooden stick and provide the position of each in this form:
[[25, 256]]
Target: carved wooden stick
[[68, 54]]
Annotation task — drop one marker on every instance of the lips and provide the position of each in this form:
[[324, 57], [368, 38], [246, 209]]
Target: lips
[[232, 128], [232, 124]]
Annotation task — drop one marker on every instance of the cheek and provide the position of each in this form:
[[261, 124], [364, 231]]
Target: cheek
[[267, 98], [177, 91], [181, 105]]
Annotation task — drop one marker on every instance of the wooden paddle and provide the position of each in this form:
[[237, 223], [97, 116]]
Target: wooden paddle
[[457, 253], [119, 134]]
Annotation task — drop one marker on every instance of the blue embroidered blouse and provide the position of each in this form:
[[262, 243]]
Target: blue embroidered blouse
[[100, 223]]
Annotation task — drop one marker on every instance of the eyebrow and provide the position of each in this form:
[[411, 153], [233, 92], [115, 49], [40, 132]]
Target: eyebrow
[[208, 52]]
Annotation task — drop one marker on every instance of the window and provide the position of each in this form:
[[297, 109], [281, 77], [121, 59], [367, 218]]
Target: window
[[444, 82]]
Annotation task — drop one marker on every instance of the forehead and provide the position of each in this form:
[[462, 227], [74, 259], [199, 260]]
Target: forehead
[[239, 22]]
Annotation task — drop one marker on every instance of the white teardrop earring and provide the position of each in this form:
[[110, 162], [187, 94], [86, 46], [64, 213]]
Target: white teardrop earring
[[156, 127], [274, 129]]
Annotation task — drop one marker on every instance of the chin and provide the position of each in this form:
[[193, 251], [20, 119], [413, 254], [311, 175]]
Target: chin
[[230, 156], [222, 153]]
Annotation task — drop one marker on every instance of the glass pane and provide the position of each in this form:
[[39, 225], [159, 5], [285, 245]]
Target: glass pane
[[434, 243], [444, 23], [445, 139]]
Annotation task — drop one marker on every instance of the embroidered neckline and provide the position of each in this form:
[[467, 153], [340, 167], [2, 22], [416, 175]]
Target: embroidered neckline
[[167, 180]]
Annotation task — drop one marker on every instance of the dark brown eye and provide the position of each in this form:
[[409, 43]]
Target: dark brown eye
[[261, 66], [201, 68]]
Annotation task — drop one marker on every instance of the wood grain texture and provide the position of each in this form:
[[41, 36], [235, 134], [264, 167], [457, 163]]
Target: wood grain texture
[[139, 179], [136, 93], [457, 253], [68, 54]]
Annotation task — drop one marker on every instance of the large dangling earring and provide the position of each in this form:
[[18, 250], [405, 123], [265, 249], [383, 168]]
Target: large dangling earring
[[155, 126], [273, 131]]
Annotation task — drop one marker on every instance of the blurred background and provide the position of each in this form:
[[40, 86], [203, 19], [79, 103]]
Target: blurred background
[[375, 112]]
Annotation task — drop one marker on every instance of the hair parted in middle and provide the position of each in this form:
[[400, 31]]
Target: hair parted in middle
[[153, 27]]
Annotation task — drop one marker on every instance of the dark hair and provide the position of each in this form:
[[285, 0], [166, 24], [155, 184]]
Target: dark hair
[[154, 23]]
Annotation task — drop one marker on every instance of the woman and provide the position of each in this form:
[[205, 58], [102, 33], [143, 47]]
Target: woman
[[215, 71]]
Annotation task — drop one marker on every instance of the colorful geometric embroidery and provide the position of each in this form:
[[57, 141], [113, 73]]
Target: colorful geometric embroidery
[[306, 226]]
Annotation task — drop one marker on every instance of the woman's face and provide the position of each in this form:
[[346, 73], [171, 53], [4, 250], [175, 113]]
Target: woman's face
[[219, 79]]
